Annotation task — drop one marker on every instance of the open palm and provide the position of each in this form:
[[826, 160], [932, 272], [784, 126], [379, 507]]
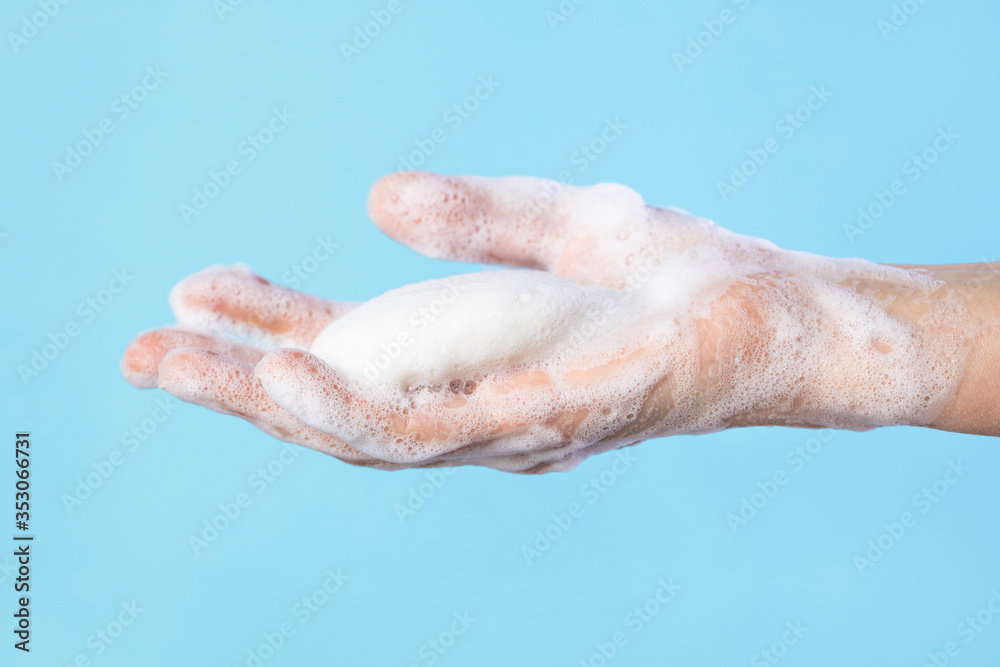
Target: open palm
[[653, 322]]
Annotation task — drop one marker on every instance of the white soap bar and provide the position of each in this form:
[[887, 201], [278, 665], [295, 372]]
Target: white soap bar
[[455, 328]]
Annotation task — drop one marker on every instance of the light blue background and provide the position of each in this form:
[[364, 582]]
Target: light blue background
[[663, 518]]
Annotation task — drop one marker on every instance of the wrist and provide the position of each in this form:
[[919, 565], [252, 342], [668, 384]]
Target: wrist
[[865, 345], [975, 407]]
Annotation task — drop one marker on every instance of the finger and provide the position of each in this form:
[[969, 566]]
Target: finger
[[227, 385], [463, 420], [464, 218], [236, 303], [592, 235], [514, 221], [141, 361], [145, 355]]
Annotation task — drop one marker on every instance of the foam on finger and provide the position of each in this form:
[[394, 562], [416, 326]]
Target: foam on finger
[[141, 361], [227, 385], [699, 329], [505, 221], [235, 303], [592, 235], [652, 323]]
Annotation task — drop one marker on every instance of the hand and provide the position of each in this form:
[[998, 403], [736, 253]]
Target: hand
[[650, 322]]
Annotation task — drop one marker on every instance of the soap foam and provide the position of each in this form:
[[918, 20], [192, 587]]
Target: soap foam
[[235, 303], [698, 329]]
